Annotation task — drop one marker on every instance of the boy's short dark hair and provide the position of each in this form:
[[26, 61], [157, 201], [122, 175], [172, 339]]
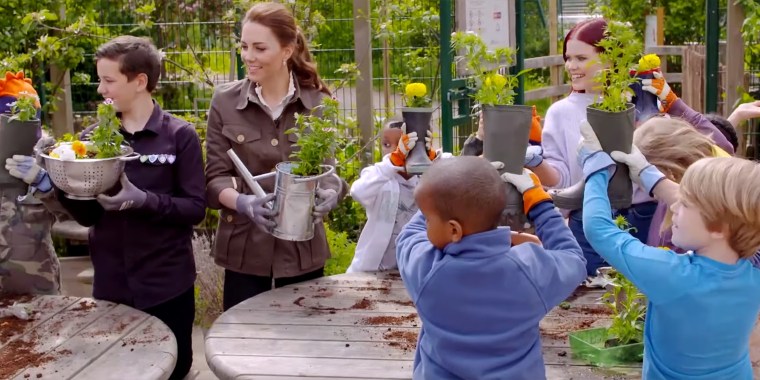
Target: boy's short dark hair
[[725, 127], [467, 189], [136, 55]]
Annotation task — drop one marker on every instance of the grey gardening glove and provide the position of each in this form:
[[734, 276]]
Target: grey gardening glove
[[26, 169], [327, 199], [128, 197], [43, 145], [533, 156], [641, 171], [254, 207]]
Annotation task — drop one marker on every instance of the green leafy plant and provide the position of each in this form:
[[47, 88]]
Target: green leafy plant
[[622, 49], [491, 87], [316, 138], [628, 306], [626, 303], [106, 136], [24, 108], [341, 249]]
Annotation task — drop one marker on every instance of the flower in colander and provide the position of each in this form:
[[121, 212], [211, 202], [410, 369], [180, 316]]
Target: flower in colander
[[64, 152]]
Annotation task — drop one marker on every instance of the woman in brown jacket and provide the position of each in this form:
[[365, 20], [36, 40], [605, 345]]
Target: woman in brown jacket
[[251, 116]]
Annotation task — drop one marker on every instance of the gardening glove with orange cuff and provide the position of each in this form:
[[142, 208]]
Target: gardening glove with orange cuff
[[529, 185], [535, 128], [26, 169], [641, 171], [590, 154], [660, 87], [327, 199], [128, 197], [255, 208], [407, 143]]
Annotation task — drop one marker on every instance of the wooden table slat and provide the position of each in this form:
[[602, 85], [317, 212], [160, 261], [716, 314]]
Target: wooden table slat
[[359, 326], [150, 350], [43, 308], [310, 367], [78, 350], [87, 339]]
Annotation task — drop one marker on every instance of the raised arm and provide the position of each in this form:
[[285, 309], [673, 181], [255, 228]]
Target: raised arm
[[415, 254]]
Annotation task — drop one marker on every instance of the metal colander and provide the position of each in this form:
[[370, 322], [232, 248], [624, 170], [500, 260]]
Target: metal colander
[[86, 178]]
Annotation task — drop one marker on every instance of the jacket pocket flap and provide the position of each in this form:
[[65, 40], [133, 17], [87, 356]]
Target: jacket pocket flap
[[241, 134]]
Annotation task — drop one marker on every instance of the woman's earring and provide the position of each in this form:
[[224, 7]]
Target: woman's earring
[[284, 62]]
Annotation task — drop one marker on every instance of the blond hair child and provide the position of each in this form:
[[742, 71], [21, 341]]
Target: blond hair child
[[702, 306]]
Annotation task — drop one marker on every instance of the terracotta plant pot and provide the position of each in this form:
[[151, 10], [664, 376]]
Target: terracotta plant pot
[[506, 132], [16, 137], [417, 120], [615, 133]]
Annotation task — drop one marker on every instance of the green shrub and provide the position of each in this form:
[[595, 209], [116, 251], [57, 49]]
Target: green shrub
[[342, 249]]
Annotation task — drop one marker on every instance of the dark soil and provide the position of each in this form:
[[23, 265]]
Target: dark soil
[[402, 303], [561, 333], [405, 340], [362, 304], [323, 293], [148, 340], [12, 326], [85, 306], [10, 299], [20, 354], [386, 320]]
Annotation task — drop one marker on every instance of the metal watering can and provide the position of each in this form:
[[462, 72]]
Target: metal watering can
[[295, 197]]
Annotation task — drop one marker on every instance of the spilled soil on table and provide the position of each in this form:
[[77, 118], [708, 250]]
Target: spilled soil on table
[[402, 339], [20, 354]]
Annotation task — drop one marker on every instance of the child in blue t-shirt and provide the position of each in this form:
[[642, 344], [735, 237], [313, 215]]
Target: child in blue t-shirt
[[479, 300], [702, 305]]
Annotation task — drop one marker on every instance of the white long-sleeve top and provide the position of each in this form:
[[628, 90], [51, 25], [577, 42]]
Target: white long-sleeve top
[[561, 135], [378, 190]]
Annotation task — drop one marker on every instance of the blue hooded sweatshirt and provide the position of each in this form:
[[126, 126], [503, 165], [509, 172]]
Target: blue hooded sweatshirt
[[480, 301]]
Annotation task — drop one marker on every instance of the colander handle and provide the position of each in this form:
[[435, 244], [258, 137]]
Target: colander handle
[[130, 157]]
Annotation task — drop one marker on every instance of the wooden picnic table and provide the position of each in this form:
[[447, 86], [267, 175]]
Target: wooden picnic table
[[83, 338], [361, 326]]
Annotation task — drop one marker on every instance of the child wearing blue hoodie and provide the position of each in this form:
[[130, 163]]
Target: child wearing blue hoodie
[[480, 300]]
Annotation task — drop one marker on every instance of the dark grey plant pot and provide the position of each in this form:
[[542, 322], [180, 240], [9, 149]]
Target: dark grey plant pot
[[615, 132], [16, 137], [506, 133], [417, 120]]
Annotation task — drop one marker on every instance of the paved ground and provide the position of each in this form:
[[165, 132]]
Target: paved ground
[[71, 267]]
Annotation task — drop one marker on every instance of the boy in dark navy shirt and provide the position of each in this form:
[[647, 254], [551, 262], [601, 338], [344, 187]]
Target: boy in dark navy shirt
[[141, 232]]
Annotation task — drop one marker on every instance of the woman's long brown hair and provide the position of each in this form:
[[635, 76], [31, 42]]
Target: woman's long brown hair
[[281, 22]]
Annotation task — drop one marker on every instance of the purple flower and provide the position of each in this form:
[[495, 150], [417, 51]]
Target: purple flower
[[108, 101]]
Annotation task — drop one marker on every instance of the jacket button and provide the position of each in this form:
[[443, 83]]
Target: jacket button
[[275, 142], [229, 218], [240, 138]]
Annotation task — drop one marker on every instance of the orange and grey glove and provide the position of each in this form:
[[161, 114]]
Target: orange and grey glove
[[660, 87], [535, 128], [432, 154], [529, 185], [405, 145]]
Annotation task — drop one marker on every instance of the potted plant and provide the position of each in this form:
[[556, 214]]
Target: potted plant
[[645, 101], [84, 169], [506, 125], [417, 115], [297, 181], [623, 341], [19, 132], [613, 116]]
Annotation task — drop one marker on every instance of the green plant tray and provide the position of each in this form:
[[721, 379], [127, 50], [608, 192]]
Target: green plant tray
[[588, 345]]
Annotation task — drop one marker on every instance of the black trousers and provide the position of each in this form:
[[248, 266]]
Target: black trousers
[[239, 287], [178, 314]]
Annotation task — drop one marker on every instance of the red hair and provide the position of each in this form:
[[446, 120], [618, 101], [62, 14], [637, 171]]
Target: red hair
[[589, 31]]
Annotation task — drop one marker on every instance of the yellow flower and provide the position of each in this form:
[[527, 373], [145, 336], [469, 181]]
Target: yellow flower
[[649, 62], [79, 148], [498, 81], [54, 155], [415, 90]]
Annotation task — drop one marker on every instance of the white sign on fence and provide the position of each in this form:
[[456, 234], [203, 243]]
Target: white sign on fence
[[493, 20]]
